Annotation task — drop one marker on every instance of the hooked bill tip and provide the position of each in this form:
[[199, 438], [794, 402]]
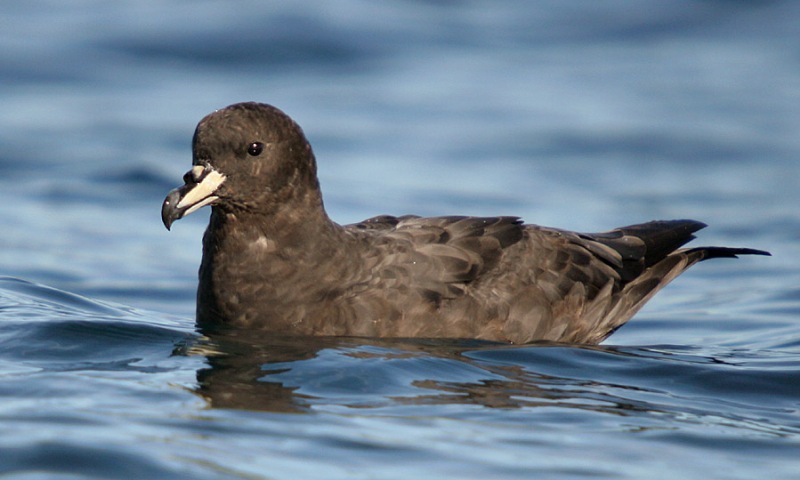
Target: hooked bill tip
[[169, 210]]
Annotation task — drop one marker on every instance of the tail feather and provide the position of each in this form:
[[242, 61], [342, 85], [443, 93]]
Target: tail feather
[[663, 263], [724, 252], [644, 245], [662, 237]]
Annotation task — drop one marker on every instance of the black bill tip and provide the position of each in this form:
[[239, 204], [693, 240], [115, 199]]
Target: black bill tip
[[169, 209]]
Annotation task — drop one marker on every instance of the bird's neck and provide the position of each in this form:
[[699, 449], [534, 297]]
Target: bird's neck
[[253, 260], [300, 227]]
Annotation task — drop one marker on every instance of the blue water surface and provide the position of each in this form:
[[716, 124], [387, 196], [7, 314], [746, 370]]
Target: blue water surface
[[580, 115]]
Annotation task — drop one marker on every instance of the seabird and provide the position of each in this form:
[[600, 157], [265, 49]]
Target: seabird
[[273, 260]]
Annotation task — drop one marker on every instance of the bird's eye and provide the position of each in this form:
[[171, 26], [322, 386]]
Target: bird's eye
[[255, 149]]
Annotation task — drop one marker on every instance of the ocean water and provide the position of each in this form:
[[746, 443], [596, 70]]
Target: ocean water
[[581, 115]]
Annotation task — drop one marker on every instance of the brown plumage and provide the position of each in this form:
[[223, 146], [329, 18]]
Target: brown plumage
[[273, 260]]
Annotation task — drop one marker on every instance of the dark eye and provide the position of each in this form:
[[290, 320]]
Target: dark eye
[[255, 149]]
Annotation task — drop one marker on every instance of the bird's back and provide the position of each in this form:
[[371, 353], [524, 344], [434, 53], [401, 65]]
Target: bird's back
[[497, 279]]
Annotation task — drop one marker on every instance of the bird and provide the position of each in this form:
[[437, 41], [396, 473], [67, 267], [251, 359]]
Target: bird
[[274, 261]]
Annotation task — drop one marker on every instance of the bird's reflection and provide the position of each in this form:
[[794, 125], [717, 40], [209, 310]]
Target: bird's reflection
[[244, 367], [238, 370], [257, 371]]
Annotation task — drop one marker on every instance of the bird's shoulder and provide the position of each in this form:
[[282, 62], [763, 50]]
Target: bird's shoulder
[[429, 251]]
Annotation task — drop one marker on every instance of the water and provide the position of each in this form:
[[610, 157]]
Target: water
[[581, 115]]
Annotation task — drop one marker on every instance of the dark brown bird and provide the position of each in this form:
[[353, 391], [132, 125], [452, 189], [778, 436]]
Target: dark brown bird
[[273, 260]]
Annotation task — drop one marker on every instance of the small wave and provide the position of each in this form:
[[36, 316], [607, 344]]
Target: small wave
[[48, 326]]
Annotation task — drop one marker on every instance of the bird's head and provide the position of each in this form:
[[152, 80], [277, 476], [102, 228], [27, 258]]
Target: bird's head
[[246, 157]]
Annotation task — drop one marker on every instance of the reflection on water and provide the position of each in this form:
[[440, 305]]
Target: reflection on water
[[256, 371]]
